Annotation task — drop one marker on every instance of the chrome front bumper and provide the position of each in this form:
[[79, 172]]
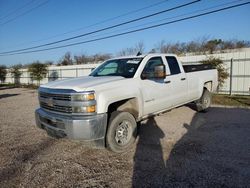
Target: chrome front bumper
[[85, 128]]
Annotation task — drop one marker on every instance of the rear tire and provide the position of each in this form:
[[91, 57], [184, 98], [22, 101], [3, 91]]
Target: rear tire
[[122, 131], [203, 104]]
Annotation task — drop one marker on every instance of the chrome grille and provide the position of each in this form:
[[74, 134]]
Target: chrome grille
[[57, 108], [64, 97], [60, 101]]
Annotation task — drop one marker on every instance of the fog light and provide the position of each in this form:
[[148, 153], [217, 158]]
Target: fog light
[[78, 109], [91, 109], [83, 109]]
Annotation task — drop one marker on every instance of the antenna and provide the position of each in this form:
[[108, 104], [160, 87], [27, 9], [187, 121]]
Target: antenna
[[138, 54]]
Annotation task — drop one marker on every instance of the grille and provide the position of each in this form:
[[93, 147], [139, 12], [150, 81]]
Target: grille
[[64, 97], [57, 108]]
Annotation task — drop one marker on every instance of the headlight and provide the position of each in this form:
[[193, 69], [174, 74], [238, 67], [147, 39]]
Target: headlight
[[88, 105], [83, 97], [83, 109]]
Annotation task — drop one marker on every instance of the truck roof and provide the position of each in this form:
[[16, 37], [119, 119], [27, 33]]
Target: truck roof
[[144, 55]]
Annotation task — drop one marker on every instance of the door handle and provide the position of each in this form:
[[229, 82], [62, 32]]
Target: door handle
[[183, 79], [167, 82]]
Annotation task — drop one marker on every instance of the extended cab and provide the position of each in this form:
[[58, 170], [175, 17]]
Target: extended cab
[[105, 106]]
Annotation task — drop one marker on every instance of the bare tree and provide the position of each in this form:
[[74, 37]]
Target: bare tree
[[152, 51], [100, 57], [139, 47], [127, 51], [203, 41], [66, 60], [162, 47], [84, 59], [193, 46], [49, 63], [202, 45], [242, 44], [226, 45], [176, 48], [212, 45]]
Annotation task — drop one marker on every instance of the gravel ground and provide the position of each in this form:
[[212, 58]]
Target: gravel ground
[[180, 148]]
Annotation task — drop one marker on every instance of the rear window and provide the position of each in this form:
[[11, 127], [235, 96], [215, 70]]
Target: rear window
[[173, 65]]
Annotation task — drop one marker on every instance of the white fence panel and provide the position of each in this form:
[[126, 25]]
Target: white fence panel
[[240, 77]]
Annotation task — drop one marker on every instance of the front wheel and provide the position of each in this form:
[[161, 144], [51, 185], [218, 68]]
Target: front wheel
[[122, 131], [204, 102]]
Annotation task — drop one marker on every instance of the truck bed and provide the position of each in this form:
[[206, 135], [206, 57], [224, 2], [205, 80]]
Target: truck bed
[[198, 67]]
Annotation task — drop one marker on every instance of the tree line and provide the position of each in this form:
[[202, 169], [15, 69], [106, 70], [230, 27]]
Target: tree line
[[204, 45], [68, 59], [37, 71], [199, 46]]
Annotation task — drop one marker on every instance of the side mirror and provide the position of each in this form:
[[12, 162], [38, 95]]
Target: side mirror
[[143, 76], [160, 71]]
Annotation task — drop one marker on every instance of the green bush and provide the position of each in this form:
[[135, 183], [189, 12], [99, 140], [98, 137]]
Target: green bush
[[16, 73], [38, 71], [3, 72], [218, 64]]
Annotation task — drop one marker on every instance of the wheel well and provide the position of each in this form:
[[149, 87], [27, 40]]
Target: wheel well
[[126, 105], [208, 85]]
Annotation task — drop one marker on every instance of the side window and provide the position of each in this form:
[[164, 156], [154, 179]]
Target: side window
[[173, 65], [148, 71]]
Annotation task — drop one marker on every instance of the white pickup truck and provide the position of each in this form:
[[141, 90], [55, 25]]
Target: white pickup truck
[[105, 106]]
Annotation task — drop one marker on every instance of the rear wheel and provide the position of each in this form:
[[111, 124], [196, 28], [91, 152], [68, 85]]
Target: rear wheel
[[122, 131], [203, 104]]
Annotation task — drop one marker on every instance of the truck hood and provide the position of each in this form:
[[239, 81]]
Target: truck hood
[[81, 83]]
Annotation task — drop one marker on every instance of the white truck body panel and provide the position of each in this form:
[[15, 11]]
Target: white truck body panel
[[151, 96]]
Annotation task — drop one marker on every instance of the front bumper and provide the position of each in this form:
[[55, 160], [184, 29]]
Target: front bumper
[[85, 128]]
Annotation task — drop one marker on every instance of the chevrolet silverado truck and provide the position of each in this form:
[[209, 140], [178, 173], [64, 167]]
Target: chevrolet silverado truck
[[106, 106]]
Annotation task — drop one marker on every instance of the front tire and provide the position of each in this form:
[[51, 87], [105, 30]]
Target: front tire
[[122, 131], [203, 104]]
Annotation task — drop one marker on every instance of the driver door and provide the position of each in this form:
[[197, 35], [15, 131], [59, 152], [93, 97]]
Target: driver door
[[155, 92]]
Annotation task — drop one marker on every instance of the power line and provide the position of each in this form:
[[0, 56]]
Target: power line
[[103, 29], [24, 13], [168, 18], [16, 10], [100, 22], [133, 31], [106, 20]]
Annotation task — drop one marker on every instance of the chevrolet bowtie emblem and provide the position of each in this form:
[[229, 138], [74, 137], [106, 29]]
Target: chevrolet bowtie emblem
[[50, 102]]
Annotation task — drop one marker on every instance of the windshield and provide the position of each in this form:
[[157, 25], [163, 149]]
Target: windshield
[[118, 67]]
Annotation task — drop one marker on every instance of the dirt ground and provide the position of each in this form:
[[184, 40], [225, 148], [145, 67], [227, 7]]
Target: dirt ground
[[180, 148]]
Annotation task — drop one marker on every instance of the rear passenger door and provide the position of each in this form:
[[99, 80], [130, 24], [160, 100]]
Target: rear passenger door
[[178, 80]]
